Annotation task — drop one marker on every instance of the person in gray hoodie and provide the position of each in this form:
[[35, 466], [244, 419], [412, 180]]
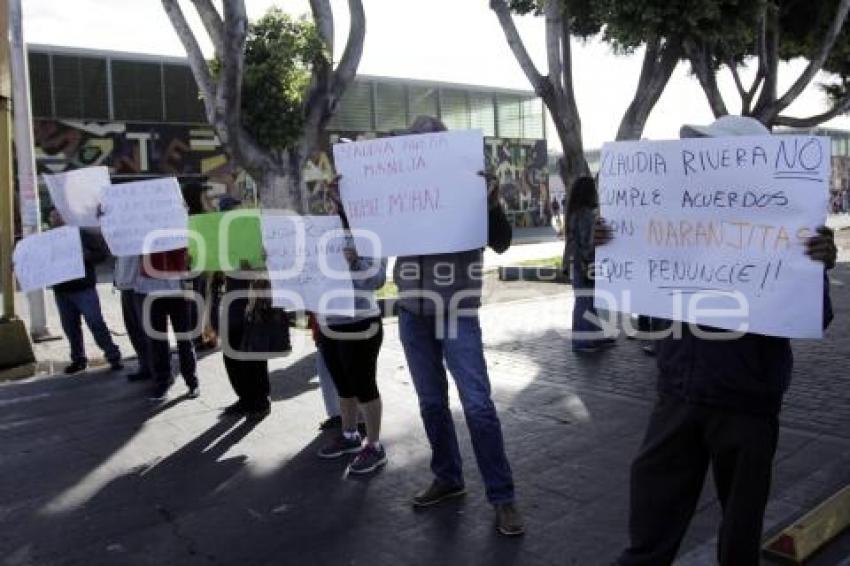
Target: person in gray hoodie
[[124, 278], [439, 296]]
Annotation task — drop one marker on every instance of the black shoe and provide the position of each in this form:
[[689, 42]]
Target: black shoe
[[331, 423], [138, 376], [116, 365], [75, 367], [237, 409], [194, 392], [257, 415], [437, 492], [160, 391], [509, 520]]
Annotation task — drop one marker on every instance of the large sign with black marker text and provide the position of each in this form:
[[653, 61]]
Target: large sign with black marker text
[[712, 231]]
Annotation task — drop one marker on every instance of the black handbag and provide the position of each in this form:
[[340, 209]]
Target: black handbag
[[266, 332]]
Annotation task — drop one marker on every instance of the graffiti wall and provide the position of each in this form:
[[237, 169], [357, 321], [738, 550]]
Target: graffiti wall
[[132, 150], [521, 166], [138, 150]]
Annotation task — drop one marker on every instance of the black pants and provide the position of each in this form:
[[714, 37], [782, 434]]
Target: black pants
[[130, 309], [350, 352], [249, 378], [176, 309], [669, 472]]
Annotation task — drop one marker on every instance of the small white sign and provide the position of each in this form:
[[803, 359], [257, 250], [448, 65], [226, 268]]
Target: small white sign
[[76, 194], [144, 217], [420, 194], [48, 258], [306, 263], [712, 231]]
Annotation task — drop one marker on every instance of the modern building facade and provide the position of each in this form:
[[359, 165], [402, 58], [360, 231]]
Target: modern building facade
[[141, 116]]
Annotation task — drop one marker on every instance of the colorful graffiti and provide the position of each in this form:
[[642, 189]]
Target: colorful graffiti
[[135, 150], [521, 166]]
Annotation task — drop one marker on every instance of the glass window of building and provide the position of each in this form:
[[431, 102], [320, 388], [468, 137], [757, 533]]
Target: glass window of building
[[482, 113], [423, 102], [390, 107], [40, 85], [532, 119], [509, 116], [137, 90], [80, 88], [182, 101], [454, 109], [354, 113]]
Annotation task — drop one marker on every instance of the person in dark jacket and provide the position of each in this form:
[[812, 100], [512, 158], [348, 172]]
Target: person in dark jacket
[[579, 254], [718, 405], [438, 323], [77, 300]]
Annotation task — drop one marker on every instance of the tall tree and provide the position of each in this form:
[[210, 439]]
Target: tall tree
[[583, 19], [767, 32], [272, 151]]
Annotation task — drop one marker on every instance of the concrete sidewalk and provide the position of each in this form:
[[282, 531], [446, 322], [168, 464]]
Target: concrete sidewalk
[[92, 473]]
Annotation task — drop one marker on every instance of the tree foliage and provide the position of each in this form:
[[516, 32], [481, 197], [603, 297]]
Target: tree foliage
[[280, 52]]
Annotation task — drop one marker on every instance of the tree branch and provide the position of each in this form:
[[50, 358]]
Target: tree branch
[[700, 59], [347, 68], [769, 62], [659, 62], [212, 23], [324, 19], [197, 63], [840, 107], [817, 60], [554, 38], [538, 82]]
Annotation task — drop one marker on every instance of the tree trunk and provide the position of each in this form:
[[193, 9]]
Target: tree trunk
[[277, 189], [572, 164]]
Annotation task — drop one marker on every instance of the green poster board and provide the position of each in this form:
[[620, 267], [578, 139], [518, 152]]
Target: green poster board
[[235, 232]]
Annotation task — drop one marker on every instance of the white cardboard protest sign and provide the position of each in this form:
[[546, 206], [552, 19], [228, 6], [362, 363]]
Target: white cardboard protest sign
[[420, 194], [144, 217], [48, 258], [712, 231], [76, 194], [306, 265]]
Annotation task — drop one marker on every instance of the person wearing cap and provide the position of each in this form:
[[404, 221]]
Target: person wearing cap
[[438, 323], [718, 406]]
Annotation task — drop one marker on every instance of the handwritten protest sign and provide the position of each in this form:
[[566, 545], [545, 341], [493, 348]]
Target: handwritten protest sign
[[144, 217], [306, 265], [52, 257], [712, 231], [221, 241], [77, 193], [419, 194]]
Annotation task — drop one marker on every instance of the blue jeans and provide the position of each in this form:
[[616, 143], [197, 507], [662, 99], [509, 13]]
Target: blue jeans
[[464, 357], [583, 286], [74, 306]]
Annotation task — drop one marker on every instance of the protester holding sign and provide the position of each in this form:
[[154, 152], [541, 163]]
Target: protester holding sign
[[165, 292], [77, 300], [125, 278], [439, 296], [579, 251], [720, 396], [349, 346]]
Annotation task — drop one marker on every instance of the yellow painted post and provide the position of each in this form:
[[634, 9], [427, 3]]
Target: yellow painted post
[[7, 217], [17, 349]]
